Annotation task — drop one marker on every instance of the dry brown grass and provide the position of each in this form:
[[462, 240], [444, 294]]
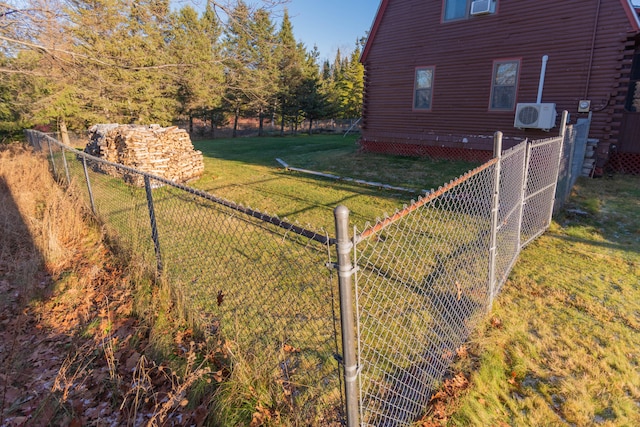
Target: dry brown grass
[[36, 209], [72, 351]]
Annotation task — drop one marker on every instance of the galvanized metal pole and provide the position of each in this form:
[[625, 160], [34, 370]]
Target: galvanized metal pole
[[563, 123], [523, 190], [572, 150], [495, 208], [154, 225], [345, 273], [86, 178], [565, 119]]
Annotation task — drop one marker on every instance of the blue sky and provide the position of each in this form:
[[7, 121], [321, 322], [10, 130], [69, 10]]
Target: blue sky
[[331, 24]]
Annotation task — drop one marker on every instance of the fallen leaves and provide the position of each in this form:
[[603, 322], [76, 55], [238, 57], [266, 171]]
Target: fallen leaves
[[441, 403], [76, 356], [496, 322], [262, 415], [220, 298], [290, 349]]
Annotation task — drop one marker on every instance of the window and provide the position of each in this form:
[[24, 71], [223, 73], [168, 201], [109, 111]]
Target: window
[[423, 88], [456, 9], [461, 9], [504, 85]]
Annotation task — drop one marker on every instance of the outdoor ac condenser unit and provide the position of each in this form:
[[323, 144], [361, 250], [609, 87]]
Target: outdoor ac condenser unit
[[535, 116], [480, 7]]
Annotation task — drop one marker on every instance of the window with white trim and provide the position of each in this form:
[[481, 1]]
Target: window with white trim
[[504, 85], [423, 88]]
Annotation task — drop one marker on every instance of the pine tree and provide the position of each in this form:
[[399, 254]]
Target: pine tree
[[290, 57], [312, 98], [263, 71], [125, 58], [237, 61], [194, 45], [350, 85]]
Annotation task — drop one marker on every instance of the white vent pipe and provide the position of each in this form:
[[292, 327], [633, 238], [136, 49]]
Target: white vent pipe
[[543, 72]]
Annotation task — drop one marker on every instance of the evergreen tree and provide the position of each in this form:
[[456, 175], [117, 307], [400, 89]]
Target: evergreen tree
[[350, 85], [194, 45], [238, 58], [312, 98], [290, 57], [263, 71], [125, 58]]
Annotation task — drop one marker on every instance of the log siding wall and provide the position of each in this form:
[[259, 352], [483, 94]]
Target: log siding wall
[[590, 45]]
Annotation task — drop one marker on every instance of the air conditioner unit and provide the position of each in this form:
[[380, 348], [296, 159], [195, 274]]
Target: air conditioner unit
[[481, 7], [535, 116]]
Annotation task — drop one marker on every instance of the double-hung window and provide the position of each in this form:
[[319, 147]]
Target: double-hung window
[[504, 85], [423, 88]]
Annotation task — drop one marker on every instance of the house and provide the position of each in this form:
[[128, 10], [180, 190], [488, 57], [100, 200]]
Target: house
[[441, 76]]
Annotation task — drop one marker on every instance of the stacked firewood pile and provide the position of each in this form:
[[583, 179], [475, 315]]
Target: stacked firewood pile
[[164, 152]]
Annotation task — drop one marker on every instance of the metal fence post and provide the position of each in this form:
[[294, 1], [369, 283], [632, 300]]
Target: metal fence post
[[572, 149], [495, 207], [86, 178], [345, 272], [154, 225], [563, 131]]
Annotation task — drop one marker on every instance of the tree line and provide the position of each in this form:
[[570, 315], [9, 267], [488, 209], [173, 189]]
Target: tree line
[[74, 63]]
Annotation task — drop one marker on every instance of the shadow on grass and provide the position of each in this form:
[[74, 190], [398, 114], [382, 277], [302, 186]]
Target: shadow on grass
[[629, 247]]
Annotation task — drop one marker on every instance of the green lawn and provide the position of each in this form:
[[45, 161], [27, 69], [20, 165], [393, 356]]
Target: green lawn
[[564, 344], [268, 292], [245, 171]]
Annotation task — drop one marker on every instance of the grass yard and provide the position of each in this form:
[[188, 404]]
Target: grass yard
[[267, 292], [245, 171], [563, 343]]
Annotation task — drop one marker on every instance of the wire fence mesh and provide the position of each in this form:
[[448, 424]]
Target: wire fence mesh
[[260, 283], [423, 277], [427, 275]]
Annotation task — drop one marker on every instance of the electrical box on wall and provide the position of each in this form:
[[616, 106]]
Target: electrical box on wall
[[584, 106]]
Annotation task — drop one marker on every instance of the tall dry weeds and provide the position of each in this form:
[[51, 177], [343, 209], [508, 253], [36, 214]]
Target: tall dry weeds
[[70, 350], [39, 202]]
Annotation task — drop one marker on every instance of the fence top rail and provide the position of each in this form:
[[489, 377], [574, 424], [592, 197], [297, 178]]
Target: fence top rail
[[515, 149], [274, 220], [380, 225], [546, 141]]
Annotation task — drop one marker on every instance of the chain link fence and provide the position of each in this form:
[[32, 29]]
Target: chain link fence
[[428, 274], [411, 288], [261, 284], [573, 156]]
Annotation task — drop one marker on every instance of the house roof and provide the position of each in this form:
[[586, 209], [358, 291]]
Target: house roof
[[374, 29], [631, 11]]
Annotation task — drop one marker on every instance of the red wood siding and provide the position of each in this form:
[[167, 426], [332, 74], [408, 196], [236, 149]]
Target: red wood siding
[[409, 34]]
